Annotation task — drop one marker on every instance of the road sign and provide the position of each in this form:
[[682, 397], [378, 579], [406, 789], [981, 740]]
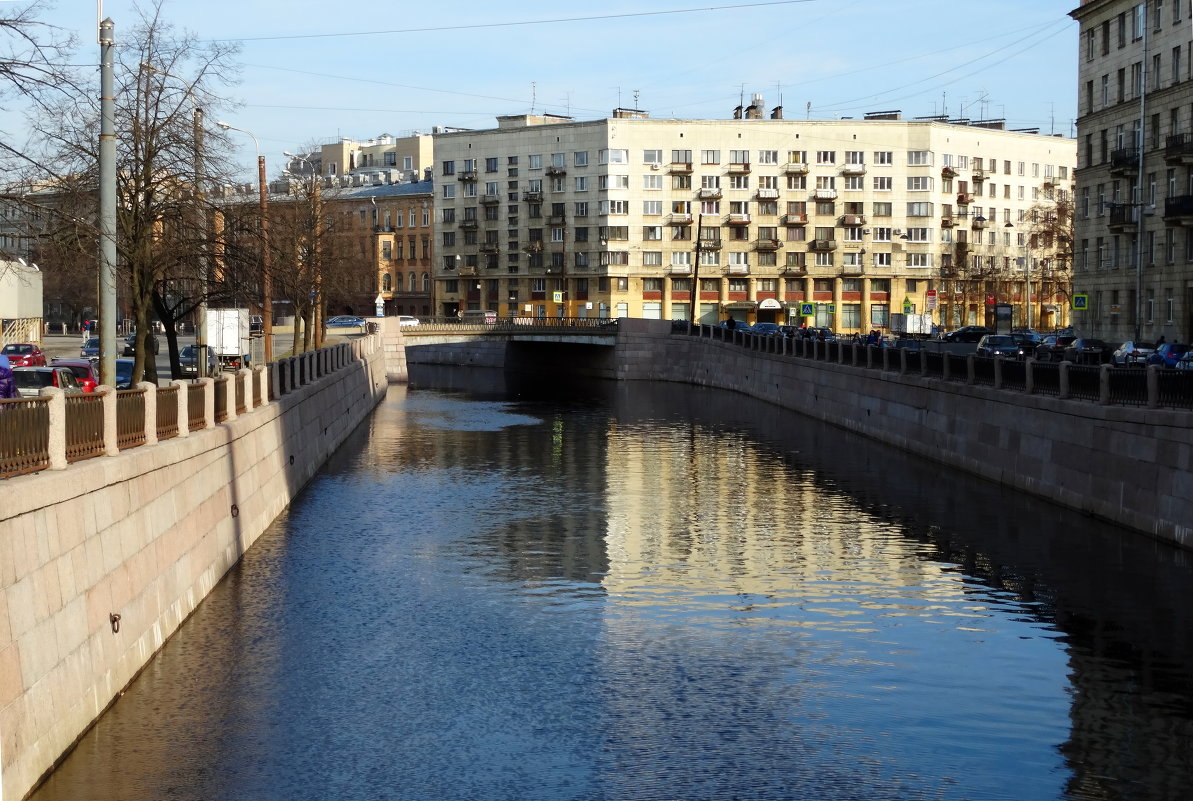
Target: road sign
[[908, 306], [931, 300], [557, 297], [831, 308], [1080, 302], [807, 310]]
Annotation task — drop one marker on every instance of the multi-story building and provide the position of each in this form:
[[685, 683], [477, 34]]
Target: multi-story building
[[1134, 204], [547, 216]]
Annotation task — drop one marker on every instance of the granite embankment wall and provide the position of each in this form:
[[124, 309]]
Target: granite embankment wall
[[143, 536], [1129, 465]]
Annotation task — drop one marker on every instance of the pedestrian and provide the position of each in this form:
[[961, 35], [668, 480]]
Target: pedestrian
[[731, 323], [1160, 341], [8, 385]]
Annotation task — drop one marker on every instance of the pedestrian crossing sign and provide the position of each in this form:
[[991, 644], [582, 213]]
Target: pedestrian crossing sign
[[807, 310], [1080, 302]]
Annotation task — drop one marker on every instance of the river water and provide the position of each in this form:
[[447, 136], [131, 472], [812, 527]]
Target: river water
[[499, 590]]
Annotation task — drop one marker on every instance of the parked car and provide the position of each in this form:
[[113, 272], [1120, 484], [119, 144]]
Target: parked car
[[1052, 347], [90, 349], [24, 354], [1027, 341], [969, 333], [1132, 353], [345, 321], [766, 329], [85, 370], [130, 344], [124, 373], [1168, 354], [405, 320], [1086, 350], [31, 381], [1185, 362], [998, 345], [188, 361]]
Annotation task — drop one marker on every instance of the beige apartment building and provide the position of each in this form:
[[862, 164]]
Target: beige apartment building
[[1134, 251], [630, 216]]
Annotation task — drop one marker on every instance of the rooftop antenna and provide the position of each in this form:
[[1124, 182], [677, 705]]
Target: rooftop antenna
[[944, 104], [619, 97], [635, 98], [808, 109], [1052, 118], [533, 95]]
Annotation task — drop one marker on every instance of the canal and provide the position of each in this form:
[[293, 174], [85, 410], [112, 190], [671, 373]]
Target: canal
[[503, 590]]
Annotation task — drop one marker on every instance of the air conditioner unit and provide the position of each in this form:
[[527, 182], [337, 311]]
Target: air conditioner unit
[[865, 232], [654, 166], [897, 232]]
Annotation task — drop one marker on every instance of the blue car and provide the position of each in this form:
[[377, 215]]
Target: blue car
[[1168, 354], [90, 349], [345, 321]]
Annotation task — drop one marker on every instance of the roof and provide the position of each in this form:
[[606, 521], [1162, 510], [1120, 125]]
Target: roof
[[388, 190]]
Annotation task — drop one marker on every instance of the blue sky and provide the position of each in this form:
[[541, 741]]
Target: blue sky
[[462, 63]]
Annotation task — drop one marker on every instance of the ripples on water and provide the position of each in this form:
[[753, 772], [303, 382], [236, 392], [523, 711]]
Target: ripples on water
[[658, 594]]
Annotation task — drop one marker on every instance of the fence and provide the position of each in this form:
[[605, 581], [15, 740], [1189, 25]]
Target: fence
[[109, 421], [1128, 386]]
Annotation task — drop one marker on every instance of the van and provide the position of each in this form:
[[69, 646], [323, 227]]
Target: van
[[486, 316]]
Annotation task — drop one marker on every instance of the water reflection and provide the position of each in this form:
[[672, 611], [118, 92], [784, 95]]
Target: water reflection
[[543, 590]]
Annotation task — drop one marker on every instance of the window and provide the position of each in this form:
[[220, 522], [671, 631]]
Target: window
[[919, 158], [824, 258], [768, 157], [535, 161], [449, 168], [737, 259], [651, 208], [710, 207], [881, 234], [681, 258], [449, 216], [652, 258], [918, 235], [883, 183], [449, 191], [856, 183], [613, 156], [613, 182], [559, 160], [739, 157], [919, 209], [919, 259], [581, 183], [739, 182], [652, 233], [615, 207], [797, 157], [580, 158], [710, 182], [826, 182], [710, 157], [882, 209], [681, 157], [557, 234], [919, 183], [653, 181], [652, 157], [882, 260], [885, 157], [826, 157], [681, 182], [854, 234], [797, 182], [582, 209]]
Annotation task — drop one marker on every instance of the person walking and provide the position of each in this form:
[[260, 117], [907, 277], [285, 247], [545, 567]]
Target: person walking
[[8, 385]]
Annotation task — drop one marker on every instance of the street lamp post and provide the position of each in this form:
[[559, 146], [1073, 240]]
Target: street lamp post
[[266, 279], [317, 314], [1026, 280]]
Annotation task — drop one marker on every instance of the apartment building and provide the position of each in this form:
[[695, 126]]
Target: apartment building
[[755, 218], [1134, 208]]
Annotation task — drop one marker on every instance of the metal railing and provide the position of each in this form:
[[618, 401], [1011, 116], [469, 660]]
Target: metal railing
[[167, 412], [24, 435], [196, 414], [130, 418], [84, 426], [221, 400]]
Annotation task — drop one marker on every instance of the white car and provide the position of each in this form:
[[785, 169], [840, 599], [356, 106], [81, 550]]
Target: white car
[[405, 320]]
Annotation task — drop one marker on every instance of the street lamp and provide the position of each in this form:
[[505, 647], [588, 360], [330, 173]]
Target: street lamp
[[317, 313], [201, 311], [1026, 279], [266, 280]]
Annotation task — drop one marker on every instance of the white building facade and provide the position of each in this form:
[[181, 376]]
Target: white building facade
[[837, 223]]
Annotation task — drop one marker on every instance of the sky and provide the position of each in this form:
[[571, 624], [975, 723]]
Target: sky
[[314, 72]]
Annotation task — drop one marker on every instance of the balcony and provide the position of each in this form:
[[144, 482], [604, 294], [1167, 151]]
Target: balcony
[[851, 269], [1178, 149], [795, 168], [466, 175], [710, 193], [679, 218], [1179, 210], [768, 194], [948, 172], [853, 169], [737, 219], [978, 176], [978, 223], [963, 199], [532, 197], [1123, 217], [490, 247], [947, 222], [824, 194], [794, 269], [681, 168], [710, 244], [739, 168], [795, 219], [822, 245], [556, 219], [767, 244], [679, 269], [533, 247], [738, 269], [490, 200], [853, 220], [468, 270], [1125, 161], [556, 172], [469, 224]]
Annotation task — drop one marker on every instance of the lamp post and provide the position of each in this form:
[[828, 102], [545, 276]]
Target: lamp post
[[201, 310], [266, 280], [1026, 280]]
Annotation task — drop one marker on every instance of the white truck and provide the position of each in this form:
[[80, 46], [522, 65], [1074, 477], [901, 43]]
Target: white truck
[[915, 325], [228, 336]]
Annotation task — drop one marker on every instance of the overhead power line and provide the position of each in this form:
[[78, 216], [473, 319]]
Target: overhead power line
[[482, 25]]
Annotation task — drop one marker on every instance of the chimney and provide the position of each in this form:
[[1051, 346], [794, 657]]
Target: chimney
[[754, 112], [776, 113], [427, 173], [737, 113]]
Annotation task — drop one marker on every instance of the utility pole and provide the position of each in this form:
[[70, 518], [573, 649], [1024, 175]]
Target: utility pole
[[695, 294], [266, 278], [1139, 215], [201, 220], [107, 206]]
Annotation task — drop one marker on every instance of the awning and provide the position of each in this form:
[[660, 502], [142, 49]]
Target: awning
[[740, 305], [770, 303]]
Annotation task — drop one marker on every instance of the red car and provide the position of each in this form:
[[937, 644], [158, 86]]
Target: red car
[[85, 371], [23, 354]]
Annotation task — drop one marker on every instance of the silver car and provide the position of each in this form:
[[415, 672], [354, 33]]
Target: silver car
[[1132, 354]]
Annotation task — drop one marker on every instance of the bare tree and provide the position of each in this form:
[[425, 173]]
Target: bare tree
[[162, 76]]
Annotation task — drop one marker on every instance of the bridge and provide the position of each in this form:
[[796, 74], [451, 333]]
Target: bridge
[[572, 330]]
